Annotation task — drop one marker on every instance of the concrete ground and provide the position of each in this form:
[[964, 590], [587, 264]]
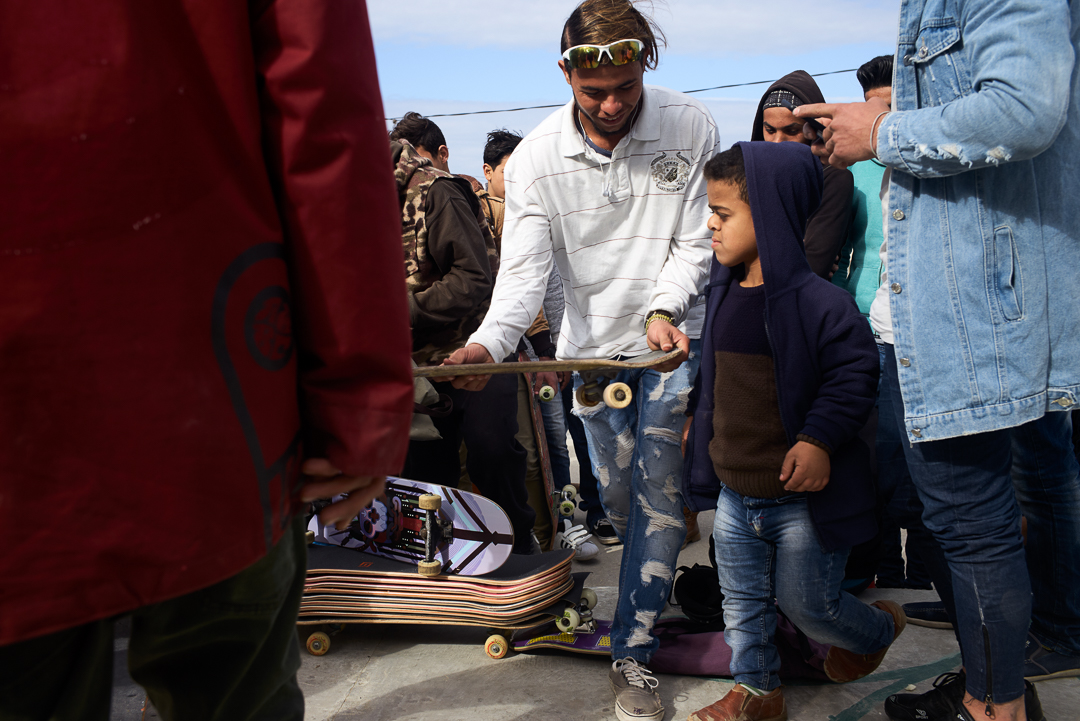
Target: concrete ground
[[422, 673]]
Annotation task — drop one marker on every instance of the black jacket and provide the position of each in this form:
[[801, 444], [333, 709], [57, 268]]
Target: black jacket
[[828, 227], [825, 357]]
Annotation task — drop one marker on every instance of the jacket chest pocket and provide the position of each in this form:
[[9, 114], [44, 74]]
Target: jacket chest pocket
[[941, 68]]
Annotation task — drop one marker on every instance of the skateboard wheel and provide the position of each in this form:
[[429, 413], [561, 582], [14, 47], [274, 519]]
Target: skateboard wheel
[[547, 393], [566, 508], [586, 398], [496, 646], [569, 491], [570, 620], [429, 568], [318, 643], [430, 502], [588, 599], [617, 395], [309, 537]]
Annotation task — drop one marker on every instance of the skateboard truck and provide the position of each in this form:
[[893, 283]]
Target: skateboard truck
[[600, 385], [435, 531]]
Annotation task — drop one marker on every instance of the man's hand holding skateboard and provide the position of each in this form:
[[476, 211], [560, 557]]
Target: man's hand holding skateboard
[[472, 353], [666, 337], [850, 133]]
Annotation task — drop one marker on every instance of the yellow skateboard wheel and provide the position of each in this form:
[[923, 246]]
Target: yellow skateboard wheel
[[496, 646], [318, 643]]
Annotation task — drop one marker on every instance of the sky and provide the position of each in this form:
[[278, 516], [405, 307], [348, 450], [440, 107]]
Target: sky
[[455, 56]]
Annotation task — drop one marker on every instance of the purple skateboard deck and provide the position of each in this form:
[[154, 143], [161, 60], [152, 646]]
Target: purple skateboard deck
[[598, 643], [390, 527]]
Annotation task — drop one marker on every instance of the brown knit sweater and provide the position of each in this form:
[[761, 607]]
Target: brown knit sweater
[[749, 442]]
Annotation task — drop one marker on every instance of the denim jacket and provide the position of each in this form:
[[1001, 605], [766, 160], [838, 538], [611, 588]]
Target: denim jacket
[[984, 213]]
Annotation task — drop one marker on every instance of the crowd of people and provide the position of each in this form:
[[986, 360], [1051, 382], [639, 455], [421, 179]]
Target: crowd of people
[[873, 305]]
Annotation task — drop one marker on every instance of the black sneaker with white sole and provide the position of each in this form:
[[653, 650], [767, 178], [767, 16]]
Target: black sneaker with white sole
[[604, 532]]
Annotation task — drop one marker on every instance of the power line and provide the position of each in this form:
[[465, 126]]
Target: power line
[[559, 105]]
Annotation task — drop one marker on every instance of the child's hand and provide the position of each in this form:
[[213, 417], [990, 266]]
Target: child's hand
[[806, 468]]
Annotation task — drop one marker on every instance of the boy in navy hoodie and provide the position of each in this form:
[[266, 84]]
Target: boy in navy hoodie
[[788, 376]]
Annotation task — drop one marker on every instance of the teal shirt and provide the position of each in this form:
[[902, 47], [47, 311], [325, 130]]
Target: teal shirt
[[860, 266]]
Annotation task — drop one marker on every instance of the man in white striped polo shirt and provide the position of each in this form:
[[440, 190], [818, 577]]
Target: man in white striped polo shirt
[[609, 188]]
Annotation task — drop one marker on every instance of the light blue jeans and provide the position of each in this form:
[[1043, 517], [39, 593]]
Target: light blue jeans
[[636, 458], [768, 548], [555, 431]]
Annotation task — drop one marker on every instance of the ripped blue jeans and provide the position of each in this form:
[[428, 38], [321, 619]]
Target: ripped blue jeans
[[636, 458]]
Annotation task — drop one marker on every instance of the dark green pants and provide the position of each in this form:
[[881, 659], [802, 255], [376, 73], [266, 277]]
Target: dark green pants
[[228, 652]]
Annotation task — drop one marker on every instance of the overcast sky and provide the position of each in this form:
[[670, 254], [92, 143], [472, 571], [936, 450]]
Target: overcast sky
[[449, 56]]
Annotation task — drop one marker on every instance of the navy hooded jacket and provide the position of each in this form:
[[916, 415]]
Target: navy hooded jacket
[[825, 357]]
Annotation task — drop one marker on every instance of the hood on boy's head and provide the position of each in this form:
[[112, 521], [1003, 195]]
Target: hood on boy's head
[[798, 83], [784, 182]]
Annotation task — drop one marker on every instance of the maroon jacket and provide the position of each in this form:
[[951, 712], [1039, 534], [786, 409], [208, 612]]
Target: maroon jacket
[[199, 219]]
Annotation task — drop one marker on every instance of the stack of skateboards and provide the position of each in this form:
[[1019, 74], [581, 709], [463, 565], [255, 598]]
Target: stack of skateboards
[[526, 592]]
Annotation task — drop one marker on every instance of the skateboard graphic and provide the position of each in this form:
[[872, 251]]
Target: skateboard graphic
[[526, 593], [436, 528], [598, 374], [598, 642]]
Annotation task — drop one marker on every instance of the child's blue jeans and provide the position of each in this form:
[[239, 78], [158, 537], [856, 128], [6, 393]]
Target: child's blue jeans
[[766, 549]]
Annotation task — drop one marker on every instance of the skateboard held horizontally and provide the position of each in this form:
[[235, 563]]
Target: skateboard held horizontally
[[598, 374], [437, 528]]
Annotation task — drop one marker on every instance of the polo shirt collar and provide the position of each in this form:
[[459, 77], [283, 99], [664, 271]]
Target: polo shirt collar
[[645, 128]]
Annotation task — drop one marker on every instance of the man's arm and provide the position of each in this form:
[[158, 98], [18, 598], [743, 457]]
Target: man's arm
[[523, 271], [326, 152], [1018, 105], [456, 245]]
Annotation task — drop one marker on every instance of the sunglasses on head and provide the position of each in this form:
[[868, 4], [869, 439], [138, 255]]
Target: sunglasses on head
[[588, 57]]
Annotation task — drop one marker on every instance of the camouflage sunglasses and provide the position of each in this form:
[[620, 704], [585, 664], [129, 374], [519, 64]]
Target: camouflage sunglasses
[[588, 57]]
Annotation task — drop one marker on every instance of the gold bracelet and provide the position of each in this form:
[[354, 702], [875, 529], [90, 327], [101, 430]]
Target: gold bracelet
[[657, 316]]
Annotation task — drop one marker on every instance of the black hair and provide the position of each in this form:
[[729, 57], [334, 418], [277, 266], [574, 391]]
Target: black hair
[[500, 143], [876, 73], [601, 22], [419, 131], [728, 167]]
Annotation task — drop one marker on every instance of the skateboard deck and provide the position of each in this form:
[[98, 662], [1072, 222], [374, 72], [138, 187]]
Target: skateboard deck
[[344, 587], [390, 527], [647, 360], [516, 571], [597, 643], [436, 609], [543, 456]]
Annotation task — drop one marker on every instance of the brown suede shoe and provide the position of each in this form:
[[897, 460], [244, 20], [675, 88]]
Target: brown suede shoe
[[842, 666], [741, 705]]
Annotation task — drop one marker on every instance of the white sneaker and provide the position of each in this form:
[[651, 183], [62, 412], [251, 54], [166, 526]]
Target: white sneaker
[[577, 538], [636, 698]]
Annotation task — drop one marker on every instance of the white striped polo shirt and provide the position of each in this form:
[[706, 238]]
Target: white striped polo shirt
[[628, 235]]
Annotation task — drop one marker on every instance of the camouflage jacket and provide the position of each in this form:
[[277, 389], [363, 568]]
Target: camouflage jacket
[[442, 314]]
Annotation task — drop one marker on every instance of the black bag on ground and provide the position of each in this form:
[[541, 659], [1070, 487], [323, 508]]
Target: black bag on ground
[[697, 593]]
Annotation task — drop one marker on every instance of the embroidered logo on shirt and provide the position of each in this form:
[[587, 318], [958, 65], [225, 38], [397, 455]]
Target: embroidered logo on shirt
[[671, 173]]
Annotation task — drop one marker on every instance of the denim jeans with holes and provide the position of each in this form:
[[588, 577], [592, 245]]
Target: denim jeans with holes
[[636, 458]]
